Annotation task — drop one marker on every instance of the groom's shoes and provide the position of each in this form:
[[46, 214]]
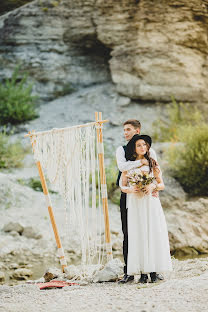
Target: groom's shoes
[[126, 279], [143, 279]]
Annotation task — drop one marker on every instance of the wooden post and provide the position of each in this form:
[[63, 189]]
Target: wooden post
[[51, 214], [98, 118]]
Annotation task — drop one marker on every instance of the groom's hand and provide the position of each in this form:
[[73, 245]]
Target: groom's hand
[[144, 162]]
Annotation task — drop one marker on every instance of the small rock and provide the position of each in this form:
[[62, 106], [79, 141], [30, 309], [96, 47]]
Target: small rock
[[71, 272], [2, 277], [14, 233], [13, 266], [117, 245], [112, 270], [21, 274], [52, 273], [13, 226], [30, 232]]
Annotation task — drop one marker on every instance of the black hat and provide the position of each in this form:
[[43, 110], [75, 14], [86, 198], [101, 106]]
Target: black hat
[[130, 147]]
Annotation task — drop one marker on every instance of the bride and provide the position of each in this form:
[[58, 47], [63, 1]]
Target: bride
[[148, 244]]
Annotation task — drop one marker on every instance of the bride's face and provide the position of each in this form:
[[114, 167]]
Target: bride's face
[[140, 147]]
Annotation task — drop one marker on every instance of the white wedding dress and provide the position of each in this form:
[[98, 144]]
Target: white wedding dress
[[148, 243]]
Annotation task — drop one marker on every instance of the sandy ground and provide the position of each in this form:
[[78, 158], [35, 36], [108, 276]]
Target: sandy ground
[[189, 294]]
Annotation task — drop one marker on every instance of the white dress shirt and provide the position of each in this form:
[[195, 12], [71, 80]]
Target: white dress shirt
[[124, 165]]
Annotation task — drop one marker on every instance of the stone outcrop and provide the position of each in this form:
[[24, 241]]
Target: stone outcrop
[[187, 225], [2, 277], [150, 50]]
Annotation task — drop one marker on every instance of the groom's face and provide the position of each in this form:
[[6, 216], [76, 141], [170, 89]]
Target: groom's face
[[130, 131]]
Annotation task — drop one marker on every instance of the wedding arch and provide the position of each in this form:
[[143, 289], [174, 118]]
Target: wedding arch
[[73, 161]]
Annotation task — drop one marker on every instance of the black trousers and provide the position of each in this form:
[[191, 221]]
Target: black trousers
[[124, 220]]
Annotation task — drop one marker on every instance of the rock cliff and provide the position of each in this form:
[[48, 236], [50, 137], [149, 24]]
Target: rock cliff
[[149, 49]]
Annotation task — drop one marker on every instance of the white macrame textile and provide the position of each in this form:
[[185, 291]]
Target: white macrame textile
[[69, 157]]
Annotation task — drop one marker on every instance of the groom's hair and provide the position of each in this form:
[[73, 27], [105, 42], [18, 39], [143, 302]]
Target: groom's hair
[[135, 123]]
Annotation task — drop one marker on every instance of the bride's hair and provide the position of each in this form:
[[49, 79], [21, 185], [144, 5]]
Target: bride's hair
[[152, 163], [130, 151]]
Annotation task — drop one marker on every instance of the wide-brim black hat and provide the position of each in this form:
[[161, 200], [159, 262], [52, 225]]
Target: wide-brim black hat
[[130, 147]]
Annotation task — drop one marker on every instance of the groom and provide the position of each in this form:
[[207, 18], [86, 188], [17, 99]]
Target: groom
[[130, 127]]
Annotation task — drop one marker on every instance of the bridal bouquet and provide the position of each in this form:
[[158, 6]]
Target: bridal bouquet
[[137, 177]]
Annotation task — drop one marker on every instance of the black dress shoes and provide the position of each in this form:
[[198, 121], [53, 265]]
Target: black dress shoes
[[126, 279], [143, 279], [156, 277]]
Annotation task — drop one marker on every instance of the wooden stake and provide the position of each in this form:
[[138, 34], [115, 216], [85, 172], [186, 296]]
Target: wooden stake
[[98, 118], [50, 210]]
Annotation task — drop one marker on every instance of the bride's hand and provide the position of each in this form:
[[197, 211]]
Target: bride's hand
[[136, 189], [148, 188]]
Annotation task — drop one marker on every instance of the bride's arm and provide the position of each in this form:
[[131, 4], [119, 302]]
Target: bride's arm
[[124, 185], [158, 177]]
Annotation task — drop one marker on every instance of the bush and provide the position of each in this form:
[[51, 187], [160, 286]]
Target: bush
[[11, 154], [111, 178], [16, 102], [189, 160], [35, 184], [179, 115]]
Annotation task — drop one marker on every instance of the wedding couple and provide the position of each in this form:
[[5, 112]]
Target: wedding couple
[[145, 245]]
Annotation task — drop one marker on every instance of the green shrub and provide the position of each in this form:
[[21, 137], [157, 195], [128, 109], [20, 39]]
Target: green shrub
[[16, 102], [11, 154], [66, 90], [35, 184], [179, 115], [111, 177], [189, 160]]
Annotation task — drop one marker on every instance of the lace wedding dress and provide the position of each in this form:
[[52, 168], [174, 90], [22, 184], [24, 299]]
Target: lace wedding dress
[[148, 243]]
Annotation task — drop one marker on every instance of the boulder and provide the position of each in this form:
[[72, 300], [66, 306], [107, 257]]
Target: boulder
[[52, 273], [14, 233], [2, 277], [13, 226], [112, 270], [187, 226], [71, 272], [21, 274], [31, 232], [173, 194], [13, 266]]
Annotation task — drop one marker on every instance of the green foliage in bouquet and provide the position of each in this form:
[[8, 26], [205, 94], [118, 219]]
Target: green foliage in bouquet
[[189, 159], [16, 101], [179, 115], [11, 154]]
